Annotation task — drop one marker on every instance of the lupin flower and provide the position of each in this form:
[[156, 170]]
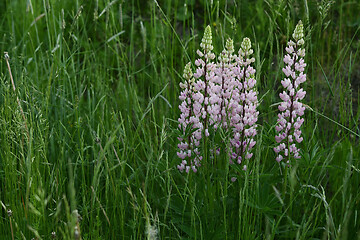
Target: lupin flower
[[195, 104], [205, 75], [218, 95], [243, 104], [291, 109], [188, 151], [222, 87]]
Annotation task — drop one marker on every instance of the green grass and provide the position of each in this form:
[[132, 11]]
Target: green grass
[[98, 83]]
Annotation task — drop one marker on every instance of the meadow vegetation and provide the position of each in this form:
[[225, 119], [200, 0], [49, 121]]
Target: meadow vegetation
[[92, 151]]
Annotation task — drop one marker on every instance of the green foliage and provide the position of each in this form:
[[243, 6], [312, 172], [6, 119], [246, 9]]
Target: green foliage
[[98, 83]]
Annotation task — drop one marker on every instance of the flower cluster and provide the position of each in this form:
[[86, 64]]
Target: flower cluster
[[222, 89], [223, 95], [243, 105], [291, 109], [205, 79], [218, 95], [195, 104], [188, 120]]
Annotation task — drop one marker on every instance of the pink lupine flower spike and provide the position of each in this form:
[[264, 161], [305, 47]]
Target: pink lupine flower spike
[[291, 109]]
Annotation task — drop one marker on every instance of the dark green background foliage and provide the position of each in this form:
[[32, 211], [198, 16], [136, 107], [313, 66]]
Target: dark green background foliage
[[98, 84]]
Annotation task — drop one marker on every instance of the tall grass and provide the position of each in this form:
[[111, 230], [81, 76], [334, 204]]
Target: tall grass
[[98, 83]]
